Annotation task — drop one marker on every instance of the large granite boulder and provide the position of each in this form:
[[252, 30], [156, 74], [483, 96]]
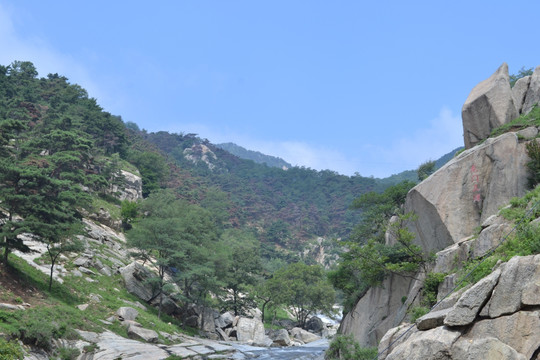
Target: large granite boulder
[[519, 91], [379, 310], [136, 279], [458, 197], [131, 189], [533, 92], [497, 318], [251, 331], [489, 105]]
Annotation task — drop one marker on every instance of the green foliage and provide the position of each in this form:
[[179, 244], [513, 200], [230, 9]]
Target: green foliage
[[344, 347], [417, 312], [302, 287], [521, 73], [431, 287], [522, 122], [525, 240], [533, 165], [425, 169], [152, 167], [68, 353], [10, 350], [243, 264], [129, 211]]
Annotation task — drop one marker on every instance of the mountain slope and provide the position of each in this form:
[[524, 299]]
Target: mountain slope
[[256, 156]]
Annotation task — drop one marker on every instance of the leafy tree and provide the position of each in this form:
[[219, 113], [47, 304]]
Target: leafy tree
[[521, 73], [129, 211], [377, 208], [533, 165], [152, 167], [425, 169], [155, 236], [304, 288], [242, 268], [367, 259]]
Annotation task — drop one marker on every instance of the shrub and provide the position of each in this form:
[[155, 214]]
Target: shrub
[[68, 353], [417, 312], [10, 350], [431, 287], [533, 151], [343, 347]]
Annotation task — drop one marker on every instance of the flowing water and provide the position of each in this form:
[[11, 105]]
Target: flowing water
[[311, 351]]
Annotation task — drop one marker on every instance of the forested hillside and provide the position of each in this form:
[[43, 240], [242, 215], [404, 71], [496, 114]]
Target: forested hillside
[[256, 156], [284, 209]]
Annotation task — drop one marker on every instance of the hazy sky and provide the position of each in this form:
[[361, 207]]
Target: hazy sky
[[353, 86]]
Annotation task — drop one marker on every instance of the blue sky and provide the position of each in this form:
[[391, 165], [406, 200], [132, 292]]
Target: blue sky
[[352, 86]]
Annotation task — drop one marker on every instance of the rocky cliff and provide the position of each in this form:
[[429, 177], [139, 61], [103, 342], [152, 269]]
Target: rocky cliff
[[457, 209]]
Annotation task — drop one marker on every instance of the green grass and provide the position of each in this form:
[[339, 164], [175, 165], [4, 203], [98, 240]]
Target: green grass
[[58, 316], [523, 241], [522, 122], [112, 207]]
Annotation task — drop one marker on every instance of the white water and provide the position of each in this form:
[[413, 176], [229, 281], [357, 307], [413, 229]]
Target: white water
[[312, 351]]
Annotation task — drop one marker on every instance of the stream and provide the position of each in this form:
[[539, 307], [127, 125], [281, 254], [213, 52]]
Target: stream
[[312, 351]]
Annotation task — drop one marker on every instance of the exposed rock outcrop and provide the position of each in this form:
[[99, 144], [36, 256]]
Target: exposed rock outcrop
[[131, 189], [497, 318], [532, 96], [457, 198], [489, 105]]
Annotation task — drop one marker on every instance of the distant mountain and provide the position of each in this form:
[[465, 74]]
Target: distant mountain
[[411, 175], [256, 156]]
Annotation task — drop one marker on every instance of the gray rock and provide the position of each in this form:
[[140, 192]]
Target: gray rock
[[434, 344], [484, 349], [519, 91], [11, 307], [105, 270], [139, 333], [280, 337], [224, 320], [489, 105], [469, 304], [450, 258], [82, 261], [76, 273], [379, 310], [135, 278], [303, 335], [533, 92], [529, 133], [82, 307], [86, 271], [477, 182], [127, 313], [393, 338], [135, 303], [222, 334], [315, 324], [207, 320], [489, 238], [519, 331], [250, 331], [432, 319], [517, 275]]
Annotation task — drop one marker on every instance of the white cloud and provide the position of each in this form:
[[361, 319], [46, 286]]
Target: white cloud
[[443, 134], [42, 55]]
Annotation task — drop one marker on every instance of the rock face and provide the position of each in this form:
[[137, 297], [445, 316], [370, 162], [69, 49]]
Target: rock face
[[489, 105], [497, 318], [132, 188], [380, 309], [532, 96], [457, 198]]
